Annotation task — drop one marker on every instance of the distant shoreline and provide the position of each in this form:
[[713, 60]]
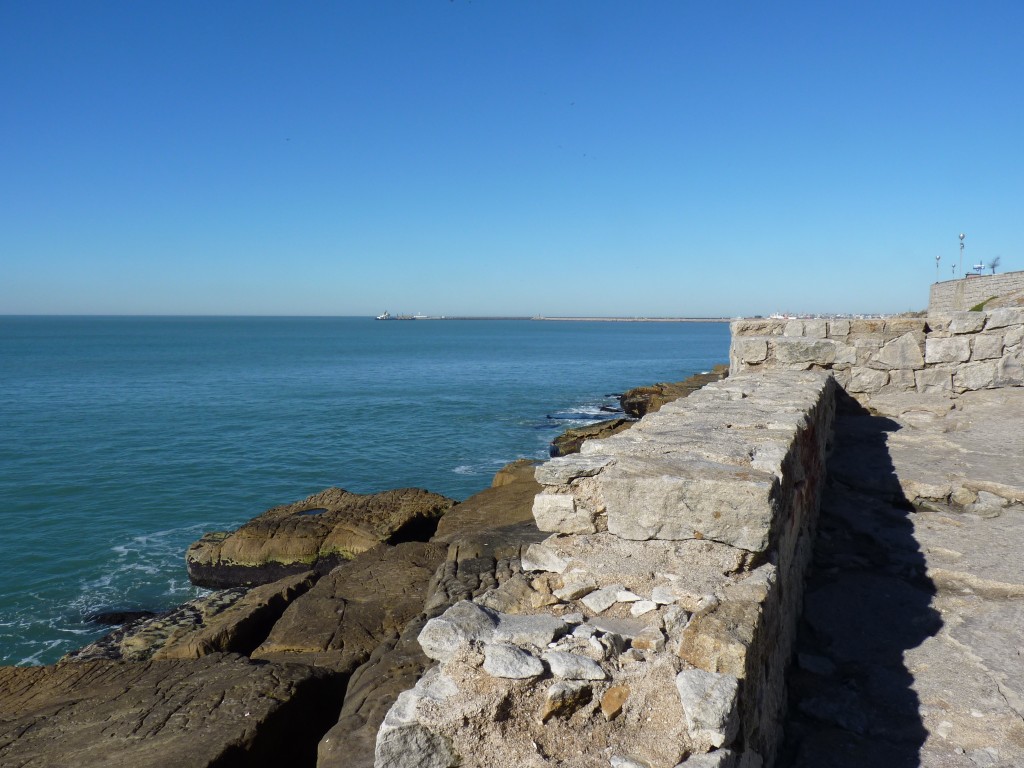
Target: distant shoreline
[[575, 319]]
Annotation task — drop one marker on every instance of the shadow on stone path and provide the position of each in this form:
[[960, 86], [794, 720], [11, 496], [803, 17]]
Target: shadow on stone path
[[867, 600]]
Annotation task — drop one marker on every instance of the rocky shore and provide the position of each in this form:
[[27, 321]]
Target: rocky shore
[[634, 602], [306, 642]]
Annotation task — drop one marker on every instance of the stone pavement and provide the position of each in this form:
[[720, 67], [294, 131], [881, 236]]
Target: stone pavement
[[911, 648]]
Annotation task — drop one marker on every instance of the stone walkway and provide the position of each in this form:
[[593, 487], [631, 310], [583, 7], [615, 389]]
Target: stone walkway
[[911, 650]]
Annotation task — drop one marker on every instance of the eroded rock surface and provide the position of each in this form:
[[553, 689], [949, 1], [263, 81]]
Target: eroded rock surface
[[640, 401], [317, 533], [215, 711]]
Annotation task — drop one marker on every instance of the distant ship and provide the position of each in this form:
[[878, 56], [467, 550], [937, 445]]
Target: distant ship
[[388, 316], [385, 316]]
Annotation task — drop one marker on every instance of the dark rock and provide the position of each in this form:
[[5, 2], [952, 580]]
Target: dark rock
[[229, 621], [217, 711], [116, 618], [353, 609], [289, 539], [640, 401], [571, 440]]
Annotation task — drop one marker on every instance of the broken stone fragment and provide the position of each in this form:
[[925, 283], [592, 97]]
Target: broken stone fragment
[[613, 701], [565, 697], [565, 469], [510, 661], [602, 599], [458, 627], [575, 589], [557, 512], [537, 557], [627, 762], [720, 758], [709, 705], [537, 630], [571, 666], [642, 607], [651, 639], [625, 596]]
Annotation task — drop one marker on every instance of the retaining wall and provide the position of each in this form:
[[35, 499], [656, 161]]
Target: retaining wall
[[653, 627], [944, 352], [958, 295]]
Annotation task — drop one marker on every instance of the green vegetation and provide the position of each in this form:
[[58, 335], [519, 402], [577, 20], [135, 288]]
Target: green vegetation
[[980, 307]]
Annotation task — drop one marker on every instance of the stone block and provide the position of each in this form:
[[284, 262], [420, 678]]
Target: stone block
[[933, 380], [509, 661], [956, 349], [973, 376], [757, 327], [709, 705], [902, 352], [986, 346], [558, 512], [807, 351], [966, 322], [815, 329], [687, 498], [750, 350], [846, 354], [1009, 372], [867, 380], [794, 328], [537, 557], [456, 629], [902, 380], [838, 329], [867, 326], [1000, 318], [938, 322], [529, 629], [572, 666], [565, 469], [1014, 336], [900, 326]]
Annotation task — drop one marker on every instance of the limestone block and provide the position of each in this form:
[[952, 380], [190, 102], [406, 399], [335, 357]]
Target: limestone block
[[1009, 372], [685, 498], [902, 380], [794, 328], [750, 350], [986, 346], [529, 629], [757, 327], [900, 326], [809, 351], [537, 557], [867, 380], [1014, 336], [720, 640], [938, 322], [838, 329], [815, 329], [709, 705], [1000, 318], [932, 380], [572, 666], [720, 758], [974, 376], [956, 349], [557, 512], [565, 469], [902, 352], [867, 326], [574, 589], [458, 627], [846, 354], [510, 661], [966, 322], [602, 599]]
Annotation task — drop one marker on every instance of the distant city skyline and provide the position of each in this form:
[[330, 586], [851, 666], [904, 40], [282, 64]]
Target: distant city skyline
[[661, 159]]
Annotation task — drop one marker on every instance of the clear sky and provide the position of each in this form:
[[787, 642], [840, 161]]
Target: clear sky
[[485, 157]]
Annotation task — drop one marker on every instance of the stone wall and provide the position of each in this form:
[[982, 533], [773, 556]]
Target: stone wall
[[653, 627], [950, 353], [957, 295]]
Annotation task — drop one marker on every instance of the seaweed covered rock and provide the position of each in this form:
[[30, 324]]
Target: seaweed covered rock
[[316, 533], [640, 401]]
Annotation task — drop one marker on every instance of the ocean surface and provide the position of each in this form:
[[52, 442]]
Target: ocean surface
[[122, 440]]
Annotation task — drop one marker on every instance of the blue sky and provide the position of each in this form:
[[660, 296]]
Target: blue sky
[[554, 157]]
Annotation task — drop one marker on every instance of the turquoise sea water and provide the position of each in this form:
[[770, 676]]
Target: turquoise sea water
[[122, 440]]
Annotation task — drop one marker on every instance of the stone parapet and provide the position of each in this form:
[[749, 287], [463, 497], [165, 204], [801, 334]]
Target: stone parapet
[[654, 626], [954, 295], [952, 352]]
